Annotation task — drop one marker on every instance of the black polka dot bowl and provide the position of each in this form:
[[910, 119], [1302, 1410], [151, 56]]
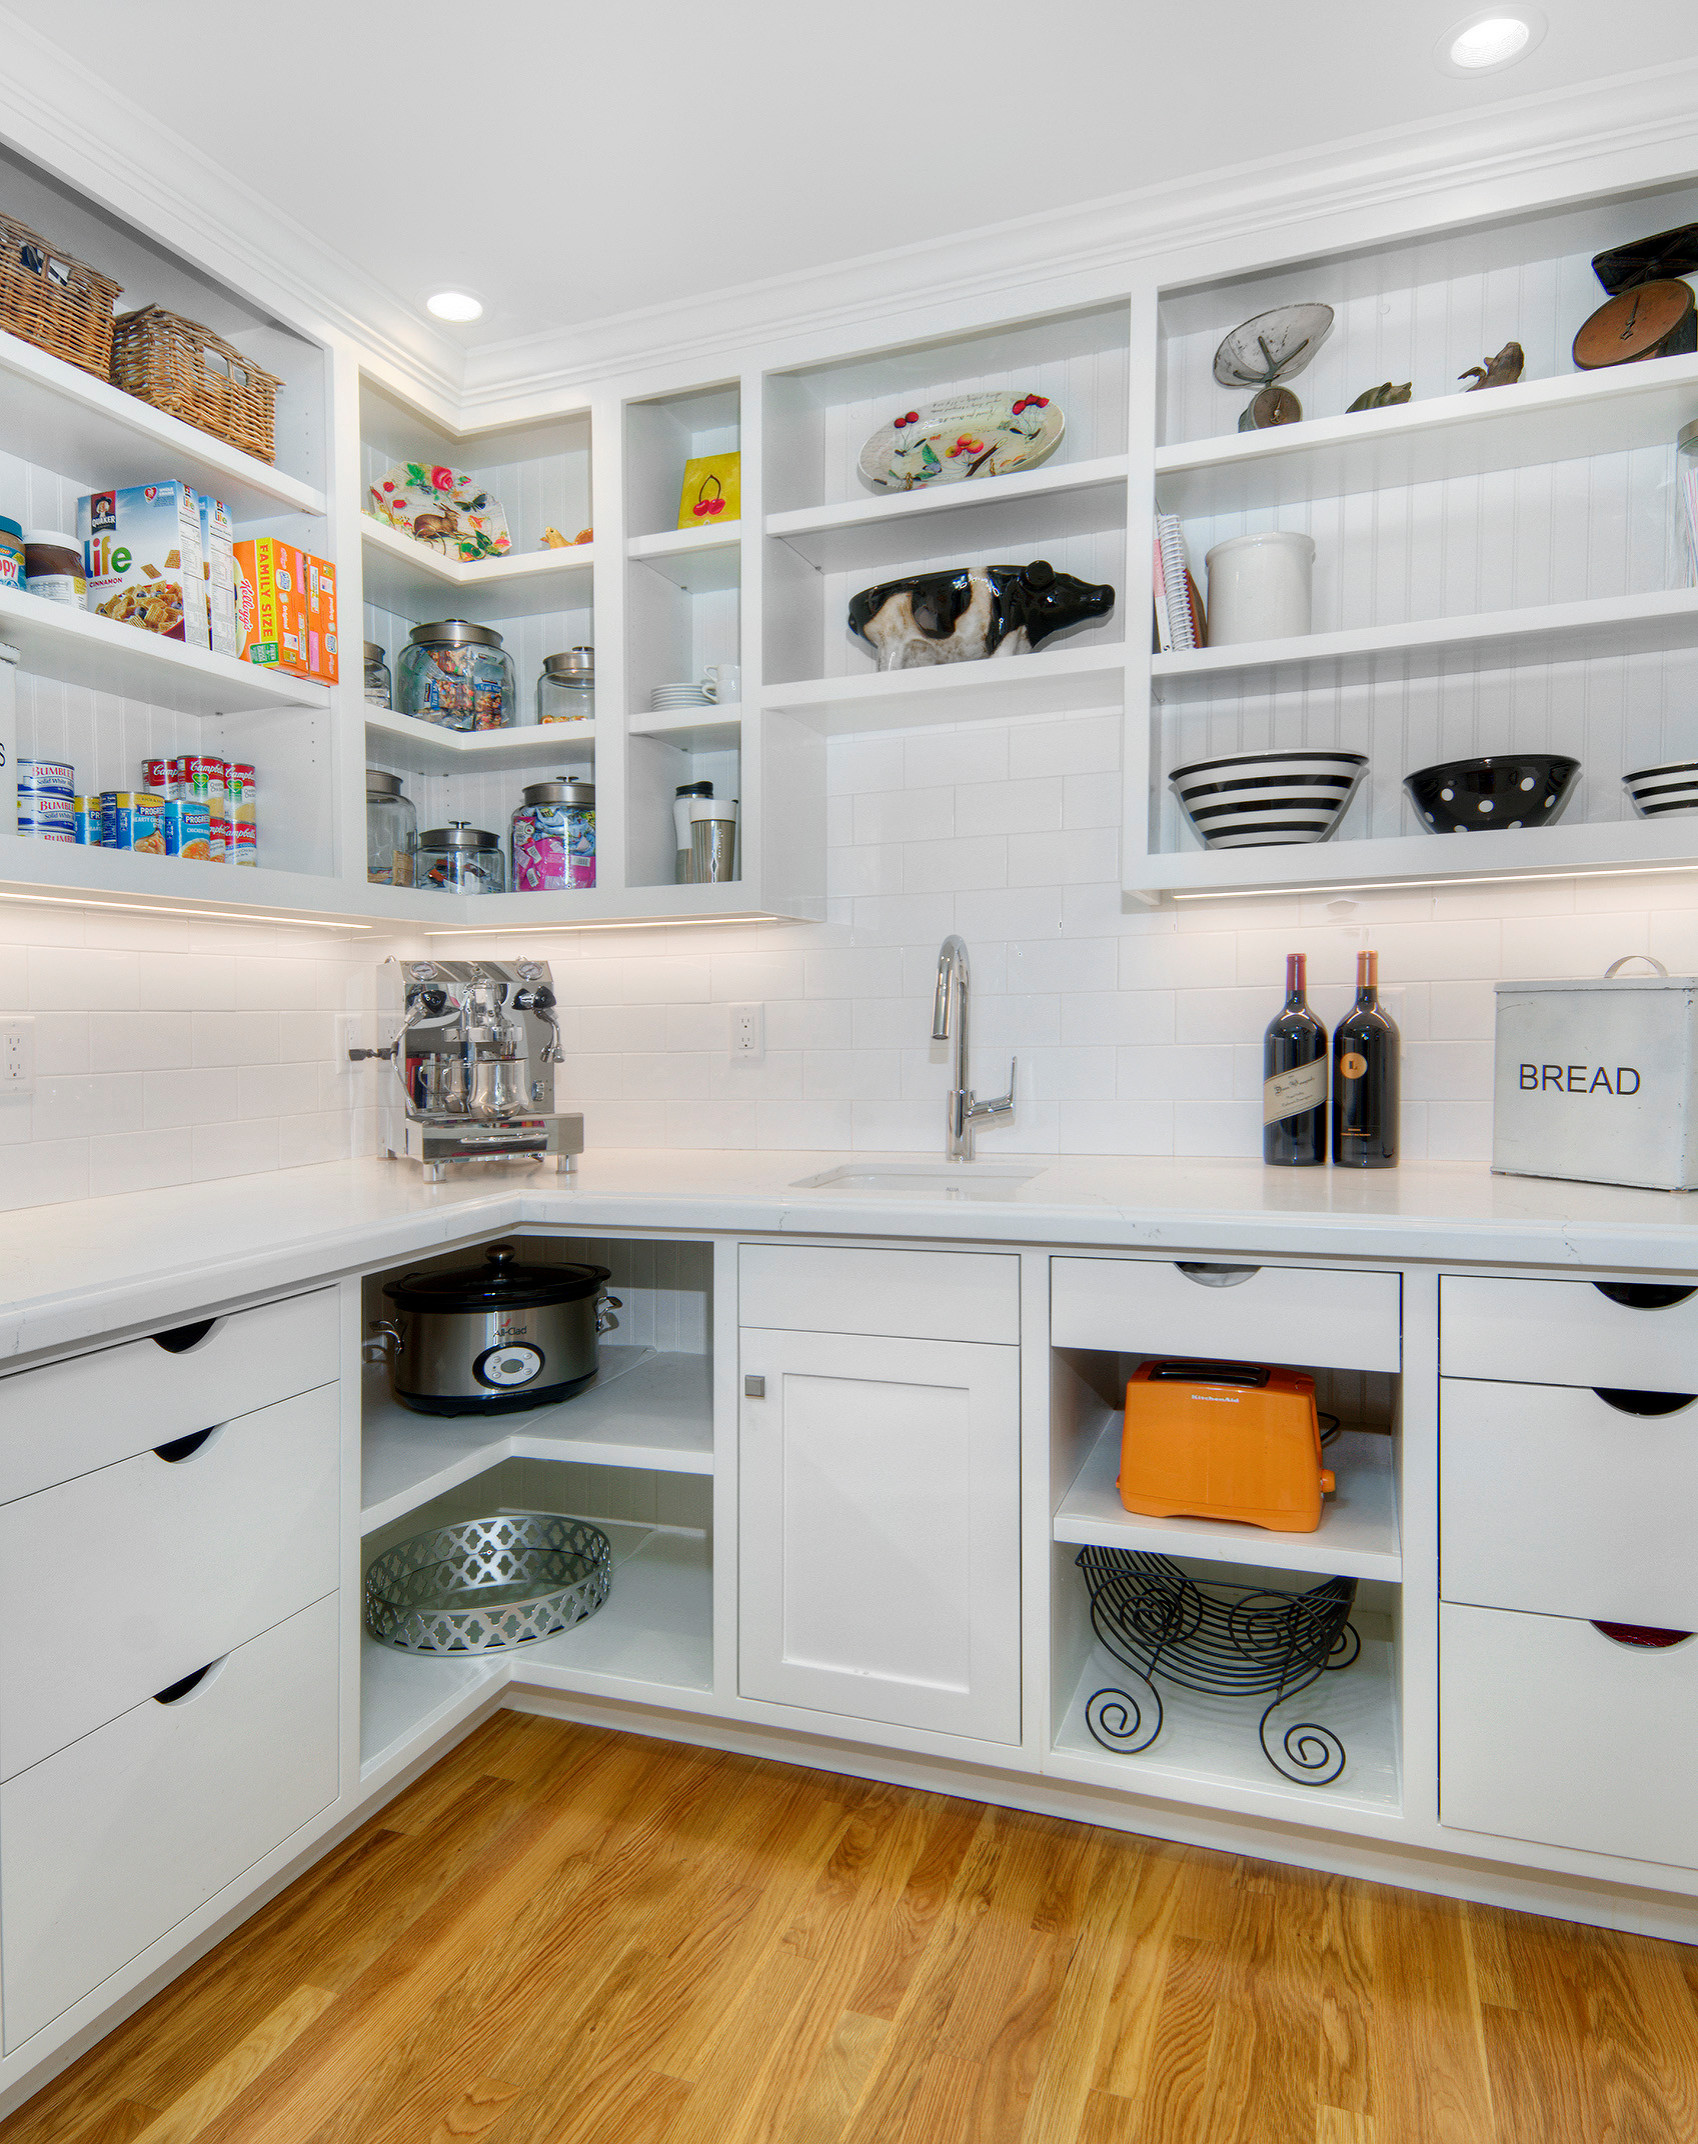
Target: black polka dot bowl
[[1511, 789]]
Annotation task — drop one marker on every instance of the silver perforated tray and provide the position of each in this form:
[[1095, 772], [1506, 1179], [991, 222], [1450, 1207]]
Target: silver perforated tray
[[488, 1583]]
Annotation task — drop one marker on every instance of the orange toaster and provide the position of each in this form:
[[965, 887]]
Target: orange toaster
[[1223, 1440]]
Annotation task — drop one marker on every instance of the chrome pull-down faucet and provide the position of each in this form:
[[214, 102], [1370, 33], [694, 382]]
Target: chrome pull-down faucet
[[965, 1113]]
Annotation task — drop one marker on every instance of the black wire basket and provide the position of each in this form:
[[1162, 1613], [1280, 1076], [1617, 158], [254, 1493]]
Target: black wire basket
[[1220, 1640]]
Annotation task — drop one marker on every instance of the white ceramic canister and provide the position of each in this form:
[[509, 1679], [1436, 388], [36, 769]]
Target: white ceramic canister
[[1260, 587]]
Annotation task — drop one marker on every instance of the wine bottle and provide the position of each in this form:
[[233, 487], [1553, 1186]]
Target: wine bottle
[[1294, 1077], [1365, 1047]]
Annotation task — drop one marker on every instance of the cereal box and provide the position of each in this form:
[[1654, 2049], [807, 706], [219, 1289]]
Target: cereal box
[[217, 545], [286, 609], [142, 558]]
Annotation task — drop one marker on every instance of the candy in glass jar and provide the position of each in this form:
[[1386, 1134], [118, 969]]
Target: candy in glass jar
[[566, 688], [554, 837], [458, 675]]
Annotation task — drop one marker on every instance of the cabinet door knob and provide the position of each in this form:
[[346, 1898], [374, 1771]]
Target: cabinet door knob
[[754, 1388]]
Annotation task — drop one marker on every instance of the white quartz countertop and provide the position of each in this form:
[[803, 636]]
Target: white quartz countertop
[[92, 1266]]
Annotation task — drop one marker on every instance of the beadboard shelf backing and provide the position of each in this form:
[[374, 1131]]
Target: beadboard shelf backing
[[699, 561], [707, 729], [1052, 681], [1357, 1536], [63, 418], [645, 1409]]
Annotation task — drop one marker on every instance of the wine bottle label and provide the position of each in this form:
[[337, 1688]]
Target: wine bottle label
[[1352, 1064], [1294, 1093]]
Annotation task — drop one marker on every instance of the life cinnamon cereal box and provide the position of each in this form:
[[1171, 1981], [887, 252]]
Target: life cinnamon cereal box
[[286, 609], [142, 559]]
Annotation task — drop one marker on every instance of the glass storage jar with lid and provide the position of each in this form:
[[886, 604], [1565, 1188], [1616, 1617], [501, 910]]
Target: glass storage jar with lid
[[392, 831], [566, 688], [378, 692], [458, 858], [458, 675], [554, 837]]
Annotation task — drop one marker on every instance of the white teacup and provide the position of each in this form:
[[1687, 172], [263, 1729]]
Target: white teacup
[[723, 683]]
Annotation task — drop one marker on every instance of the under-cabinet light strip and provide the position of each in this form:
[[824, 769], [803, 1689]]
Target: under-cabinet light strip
[[1403, 885], [621, 923], [162, 908]]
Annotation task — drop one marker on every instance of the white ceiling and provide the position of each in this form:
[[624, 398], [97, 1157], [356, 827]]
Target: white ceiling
[[569, 162]]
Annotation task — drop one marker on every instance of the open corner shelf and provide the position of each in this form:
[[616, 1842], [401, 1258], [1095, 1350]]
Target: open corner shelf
[[63, 418], [1209, 1750], [427, 748], [1357, 1538], [1051, 681], [644, 1410], [413, 581], [75, 647], [703, 561], [694, 729]]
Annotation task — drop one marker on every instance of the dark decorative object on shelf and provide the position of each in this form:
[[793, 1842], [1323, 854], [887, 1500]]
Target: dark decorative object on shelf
[[1381, 397], [1222, 1641], [1651, 312], [1507, 789], [1500, 371], [972, 612], [1266, 350]]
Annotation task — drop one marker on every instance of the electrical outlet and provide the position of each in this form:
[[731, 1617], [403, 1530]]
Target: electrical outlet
[[748, 1030], [17, 1058]]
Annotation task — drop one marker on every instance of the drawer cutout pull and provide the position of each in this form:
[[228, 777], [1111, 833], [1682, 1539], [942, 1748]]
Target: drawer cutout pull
[[1626, 1402], [177, 1449], [1644, 1294], [175, 1692], [181, 1338], [1643, 1637], [1216, 1276]]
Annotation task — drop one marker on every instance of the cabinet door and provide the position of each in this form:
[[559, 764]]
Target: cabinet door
[[880, 1543]]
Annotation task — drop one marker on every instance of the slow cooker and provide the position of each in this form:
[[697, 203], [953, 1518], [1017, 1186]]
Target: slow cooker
[[495, 1338]]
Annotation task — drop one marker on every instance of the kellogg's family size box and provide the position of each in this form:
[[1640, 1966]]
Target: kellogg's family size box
[[142, 559], [286, 609]]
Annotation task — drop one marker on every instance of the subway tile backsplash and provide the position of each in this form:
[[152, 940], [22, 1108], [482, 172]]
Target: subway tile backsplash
[[171, 1050]]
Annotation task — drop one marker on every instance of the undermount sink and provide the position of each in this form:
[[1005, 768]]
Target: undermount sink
[[924, 1179]]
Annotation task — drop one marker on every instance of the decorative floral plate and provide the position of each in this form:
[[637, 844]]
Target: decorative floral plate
[[965, 436], [442, 507]]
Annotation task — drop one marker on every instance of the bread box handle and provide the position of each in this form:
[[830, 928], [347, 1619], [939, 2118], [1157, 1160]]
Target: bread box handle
[[1650, 959]]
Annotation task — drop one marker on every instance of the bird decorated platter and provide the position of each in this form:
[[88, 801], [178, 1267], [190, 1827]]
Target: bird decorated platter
[[443, 507], [966, 436]]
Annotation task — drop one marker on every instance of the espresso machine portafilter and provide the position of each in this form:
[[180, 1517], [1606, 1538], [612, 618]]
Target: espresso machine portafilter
[[472, 1051]]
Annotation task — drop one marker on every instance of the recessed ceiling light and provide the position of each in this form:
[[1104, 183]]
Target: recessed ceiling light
[[1481, 44], [455, 305]]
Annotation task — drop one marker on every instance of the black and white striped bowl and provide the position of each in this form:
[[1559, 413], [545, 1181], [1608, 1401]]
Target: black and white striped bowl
[[1657, 791], [1260, 800]]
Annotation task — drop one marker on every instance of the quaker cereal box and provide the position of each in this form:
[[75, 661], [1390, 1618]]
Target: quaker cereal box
[[217, 545], [142, 558], [286, 609]]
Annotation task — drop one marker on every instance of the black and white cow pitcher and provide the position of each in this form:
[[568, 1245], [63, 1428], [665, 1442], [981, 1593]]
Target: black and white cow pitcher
[[974, 611]]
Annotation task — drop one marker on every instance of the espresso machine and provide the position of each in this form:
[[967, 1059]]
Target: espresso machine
[[472, 1051]]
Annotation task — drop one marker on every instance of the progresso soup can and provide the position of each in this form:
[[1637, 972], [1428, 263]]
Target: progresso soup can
[[132, 819]]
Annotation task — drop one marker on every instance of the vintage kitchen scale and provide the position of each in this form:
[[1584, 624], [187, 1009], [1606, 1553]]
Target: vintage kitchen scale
[[1651, 312], [1267, 351]]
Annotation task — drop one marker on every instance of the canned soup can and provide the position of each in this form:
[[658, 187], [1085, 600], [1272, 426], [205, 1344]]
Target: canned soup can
[[132, 819]]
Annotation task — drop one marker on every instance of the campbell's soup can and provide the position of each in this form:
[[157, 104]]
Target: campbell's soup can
[[244, 846], [158, 776], [242, 794]]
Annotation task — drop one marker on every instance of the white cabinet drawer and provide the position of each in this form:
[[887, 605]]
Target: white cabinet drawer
[[89, 1410], [1567, 1332], [1553, 1732], [108, 1845], [1158, 1306], [1555, 1501], [914, 1295], [120, 1582]]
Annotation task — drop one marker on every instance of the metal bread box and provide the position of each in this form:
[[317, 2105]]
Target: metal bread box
[[1597, 1081]]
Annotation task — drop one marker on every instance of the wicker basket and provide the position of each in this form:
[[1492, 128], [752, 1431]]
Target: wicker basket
[[187, 371], [54, 300]]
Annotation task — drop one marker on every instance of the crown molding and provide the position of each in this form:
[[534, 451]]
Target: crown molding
[[60, 115], [1643, 127]]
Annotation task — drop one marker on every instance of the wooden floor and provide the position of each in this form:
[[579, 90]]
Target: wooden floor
[[565, 1936]]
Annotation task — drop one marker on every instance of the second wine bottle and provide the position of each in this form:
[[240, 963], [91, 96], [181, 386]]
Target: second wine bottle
[[1365, 1047]]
